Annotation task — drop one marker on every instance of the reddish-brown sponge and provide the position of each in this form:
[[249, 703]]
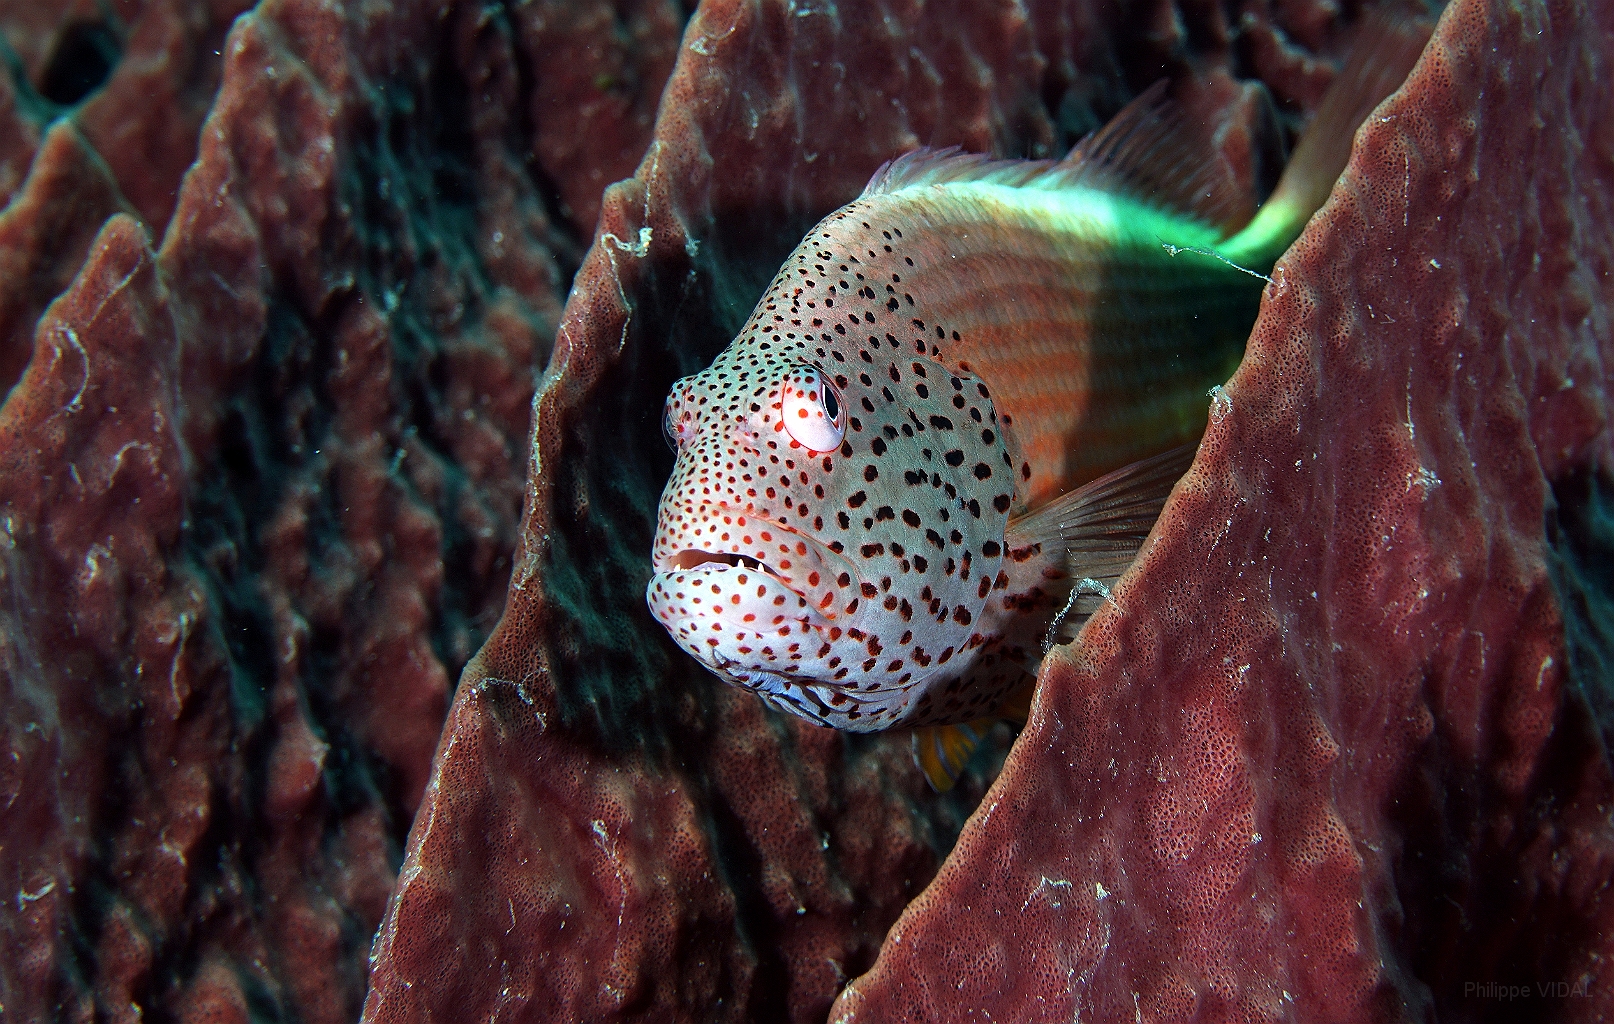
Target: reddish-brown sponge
[[280, 286], [261, 465]]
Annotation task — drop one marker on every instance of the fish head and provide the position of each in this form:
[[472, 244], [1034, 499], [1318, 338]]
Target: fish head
[[833, 525]]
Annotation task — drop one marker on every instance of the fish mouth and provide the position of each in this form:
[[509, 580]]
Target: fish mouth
[[691, 558]]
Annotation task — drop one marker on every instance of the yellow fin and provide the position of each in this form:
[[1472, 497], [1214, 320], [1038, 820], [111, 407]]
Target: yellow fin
[[1383, 55], [942, 751]]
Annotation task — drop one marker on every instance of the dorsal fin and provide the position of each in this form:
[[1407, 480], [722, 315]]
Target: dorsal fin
[[1147, 152], [1143, 153], [927, 166]]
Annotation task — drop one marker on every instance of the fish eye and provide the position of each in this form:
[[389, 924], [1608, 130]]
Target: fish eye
[[814, 415]]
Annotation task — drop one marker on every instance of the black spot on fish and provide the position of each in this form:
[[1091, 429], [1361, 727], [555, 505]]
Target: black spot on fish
[[955, 457]]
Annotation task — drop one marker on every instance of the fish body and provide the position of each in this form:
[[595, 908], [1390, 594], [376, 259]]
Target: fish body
[[891, 483], [956, 324]]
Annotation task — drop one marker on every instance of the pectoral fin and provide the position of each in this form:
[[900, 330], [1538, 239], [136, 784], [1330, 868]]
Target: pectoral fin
[[1098, 529]]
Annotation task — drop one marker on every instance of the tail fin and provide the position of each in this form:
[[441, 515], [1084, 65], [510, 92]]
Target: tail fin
[[1384, 53]]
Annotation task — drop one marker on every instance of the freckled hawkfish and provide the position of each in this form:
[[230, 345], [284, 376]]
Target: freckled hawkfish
[[954, 416]]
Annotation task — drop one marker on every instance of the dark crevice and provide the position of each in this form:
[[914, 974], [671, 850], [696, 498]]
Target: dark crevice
[[218, 867], [84, 56], [624, 679], [80, 63], [1581, 562], [412, 186], [1470, 851], [267, 441], [742, 866]]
